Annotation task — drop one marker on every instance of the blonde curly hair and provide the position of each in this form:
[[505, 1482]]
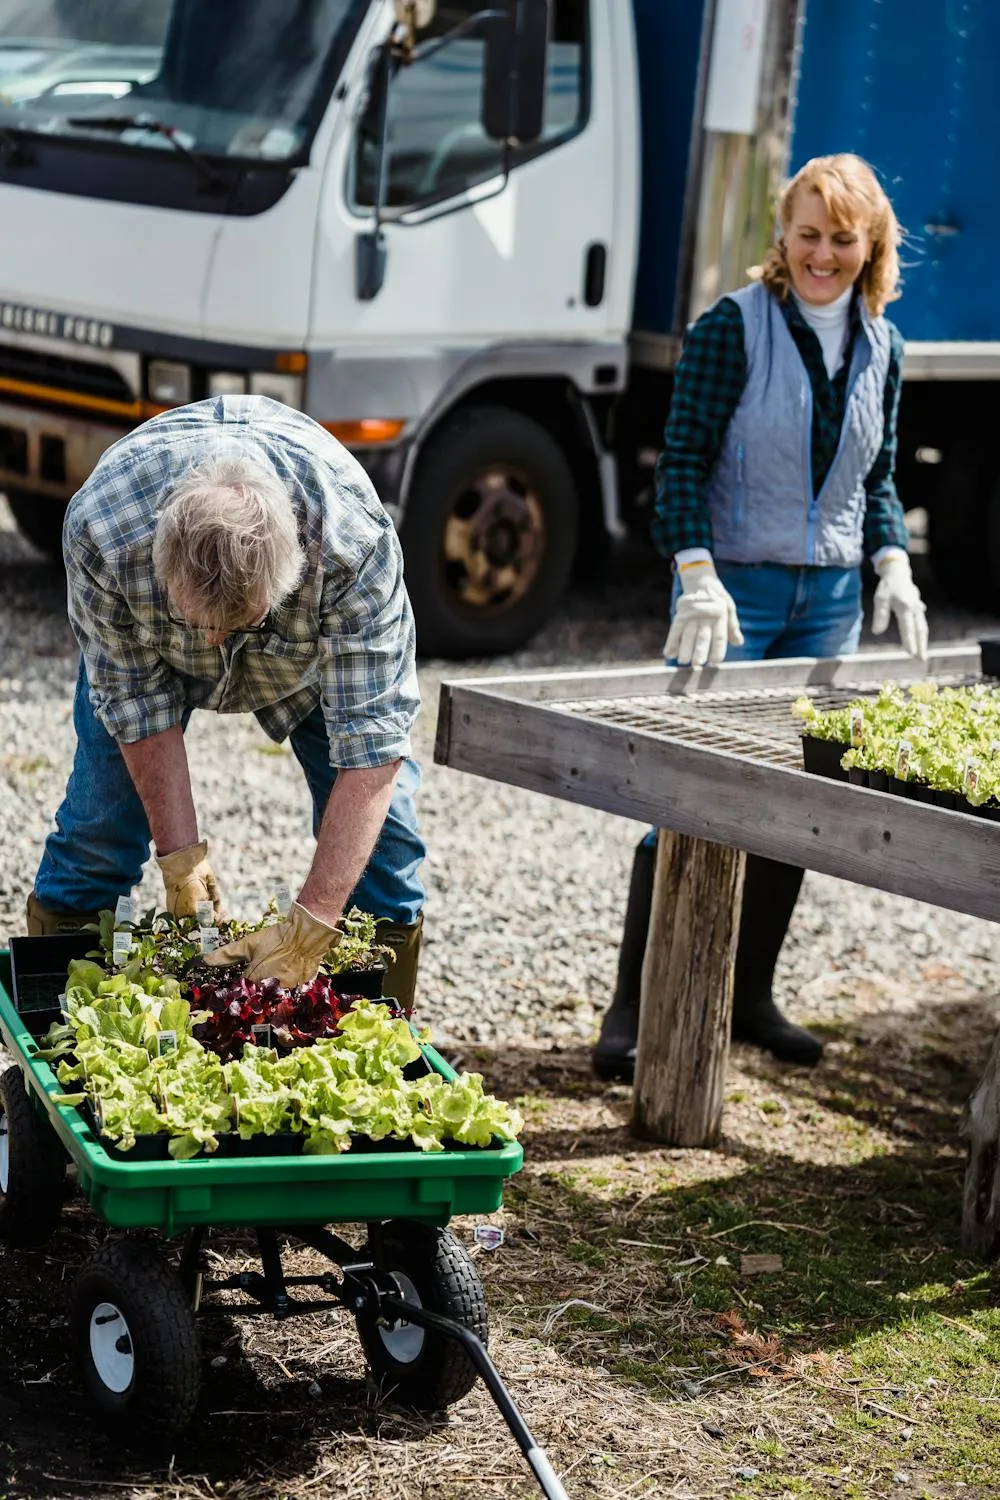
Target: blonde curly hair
[[855, 199]]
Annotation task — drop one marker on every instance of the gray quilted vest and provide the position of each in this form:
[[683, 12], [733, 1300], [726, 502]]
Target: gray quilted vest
[[760, 491]]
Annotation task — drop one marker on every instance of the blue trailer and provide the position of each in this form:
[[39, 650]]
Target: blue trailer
[[910, 85]]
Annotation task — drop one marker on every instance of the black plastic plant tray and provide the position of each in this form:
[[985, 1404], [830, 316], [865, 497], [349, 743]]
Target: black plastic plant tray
[[38, 968]]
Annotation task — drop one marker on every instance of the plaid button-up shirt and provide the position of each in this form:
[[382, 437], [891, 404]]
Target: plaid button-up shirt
[[711, 374], [343, 639]]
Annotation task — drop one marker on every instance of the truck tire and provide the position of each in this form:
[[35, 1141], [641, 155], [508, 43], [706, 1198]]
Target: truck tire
[[958, 526], [40, 520], [489, 533]]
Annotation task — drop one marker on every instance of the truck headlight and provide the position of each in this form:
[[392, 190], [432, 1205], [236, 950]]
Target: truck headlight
[[168, 382], [286, 388], [226, 383]]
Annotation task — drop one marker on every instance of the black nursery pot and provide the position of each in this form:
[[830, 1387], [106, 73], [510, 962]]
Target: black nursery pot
[[146, 1148], [284, 1143], [989, 652], [823, 757], [878, 781], [857, 777], [921, 792], [364, 982]]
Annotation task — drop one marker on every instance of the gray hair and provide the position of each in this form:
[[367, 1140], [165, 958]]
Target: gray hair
[[226, 541]]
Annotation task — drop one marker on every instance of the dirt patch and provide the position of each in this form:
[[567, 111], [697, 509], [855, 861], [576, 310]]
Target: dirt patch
[[791, 1314]]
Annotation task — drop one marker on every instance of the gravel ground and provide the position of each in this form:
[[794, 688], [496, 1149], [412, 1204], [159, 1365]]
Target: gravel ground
[[525, 893]]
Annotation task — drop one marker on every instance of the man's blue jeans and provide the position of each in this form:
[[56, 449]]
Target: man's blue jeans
[[102, 839], [791, 611]]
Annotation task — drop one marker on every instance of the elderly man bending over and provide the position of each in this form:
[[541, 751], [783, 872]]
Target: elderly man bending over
[[233, 556]]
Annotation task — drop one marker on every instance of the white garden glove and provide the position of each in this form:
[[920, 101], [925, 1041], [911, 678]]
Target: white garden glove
[[898, 595], [705, 619]]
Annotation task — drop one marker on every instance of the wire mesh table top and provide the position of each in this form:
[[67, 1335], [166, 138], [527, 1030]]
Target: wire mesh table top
[[756, 723]]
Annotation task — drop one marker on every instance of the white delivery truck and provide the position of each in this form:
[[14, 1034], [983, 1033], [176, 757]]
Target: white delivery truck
[[463, 235]]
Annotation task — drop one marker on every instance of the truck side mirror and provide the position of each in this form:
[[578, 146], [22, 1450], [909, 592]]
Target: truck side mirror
[[514, 79]]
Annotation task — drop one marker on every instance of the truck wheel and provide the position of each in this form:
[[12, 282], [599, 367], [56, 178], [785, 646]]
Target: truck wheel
[[40, 520], [960, 551], [32, 1167], [489, 533], [419, 1367], [136, 1341]]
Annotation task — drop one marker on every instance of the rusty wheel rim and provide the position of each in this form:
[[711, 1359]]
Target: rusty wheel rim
[[493, 541]]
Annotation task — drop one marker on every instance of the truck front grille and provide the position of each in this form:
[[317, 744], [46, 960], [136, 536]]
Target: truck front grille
[[61, 372]]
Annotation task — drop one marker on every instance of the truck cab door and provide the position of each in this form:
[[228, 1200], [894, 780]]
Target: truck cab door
[[484, 240]]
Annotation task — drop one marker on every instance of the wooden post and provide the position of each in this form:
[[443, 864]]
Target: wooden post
[[981, 1195], [687, 991]]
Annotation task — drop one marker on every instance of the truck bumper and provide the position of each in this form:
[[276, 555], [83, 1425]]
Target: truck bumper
[[42, 453]]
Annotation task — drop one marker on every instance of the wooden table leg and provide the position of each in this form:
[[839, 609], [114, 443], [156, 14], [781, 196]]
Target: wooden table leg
[[687, 991], [981, 1196]]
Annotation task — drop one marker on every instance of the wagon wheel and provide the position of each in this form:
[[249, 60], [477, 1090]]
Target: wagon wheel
[[420, 1367], [32, 1167], [136, 1341]]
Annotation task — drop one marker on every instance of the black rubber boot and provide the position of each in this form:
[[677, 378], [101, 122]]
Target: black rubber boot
[[770, 892], [614, 1055]]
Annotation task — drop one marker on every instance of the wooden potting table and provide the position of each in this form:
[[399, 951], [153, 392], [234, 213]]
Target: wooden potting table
[[713, 759]]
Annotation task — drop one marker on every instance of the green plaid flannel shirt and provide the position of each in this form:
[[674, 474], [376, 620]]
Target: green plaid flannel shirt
[[710, 378], [344, 638]]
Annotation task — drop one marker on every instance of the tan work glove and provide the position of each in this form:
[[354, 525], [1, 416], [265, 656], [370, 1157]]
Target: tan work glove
[[187, 879], [290, 951]]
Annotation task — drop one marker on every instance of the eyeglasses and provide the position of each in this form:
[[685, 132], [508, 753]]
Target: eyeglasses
[[178, 619]]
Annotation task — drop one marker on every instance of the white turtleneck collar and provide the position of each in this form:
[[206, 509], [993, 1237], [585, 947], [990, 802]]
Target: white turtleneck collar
[[830, 322]]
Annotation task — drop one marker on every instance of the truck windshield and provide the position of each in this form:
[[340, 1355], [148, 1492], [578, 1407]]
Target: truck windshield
[[238, 78]]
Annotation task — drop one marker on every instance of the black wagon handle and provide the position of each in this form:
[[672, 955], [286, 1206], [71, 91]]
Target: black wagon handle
[[548, 1480]]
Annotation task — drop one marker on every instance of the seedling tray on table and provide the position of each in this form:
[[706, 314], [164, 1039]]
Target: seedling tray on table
[[255, 1190]]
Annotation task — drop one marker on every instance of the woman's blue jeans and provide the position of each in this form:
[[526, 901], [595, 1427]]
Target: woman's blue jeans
[[789, 612], [101, 840]]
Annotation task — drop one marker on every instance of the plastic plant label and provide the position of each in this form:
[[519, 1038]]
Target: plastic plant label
[[261, 1034], [970, 776], [857, 727], [208, 937], [283, 899], [63, 1006], [204, 913], [121, 947], [99, 1113], [490, 1236], [166, 1042], [903, 760], [126, 911]]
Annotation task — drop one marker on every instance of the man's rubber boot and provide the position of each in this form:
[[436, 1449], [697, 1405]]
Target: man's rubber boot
[[404, 939], [41, 922], [613, 1057], [770, 891]]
